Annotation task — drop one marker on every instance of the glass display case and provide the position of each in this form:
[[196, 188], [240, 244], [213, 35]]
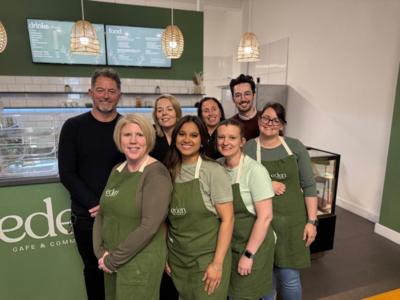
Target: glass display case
[[29, 140], [325, 166], [28, 145]]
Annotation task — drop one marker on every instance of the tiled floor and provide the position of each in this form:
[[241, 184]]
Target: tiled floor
[[361, 264]]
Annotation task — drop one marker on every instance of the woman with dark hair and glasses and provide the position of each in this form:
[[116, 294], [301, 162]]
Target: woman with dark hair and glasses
[[200, 216], [295, 202], [211, 112]]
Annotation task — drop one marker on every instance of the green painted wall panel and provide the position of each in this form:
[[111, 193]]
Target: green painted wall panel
[[39, 257], [390, 209], [17, 60]]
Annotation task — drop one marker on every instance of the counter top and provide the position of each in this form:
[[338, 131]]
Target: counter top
[[28, 180]]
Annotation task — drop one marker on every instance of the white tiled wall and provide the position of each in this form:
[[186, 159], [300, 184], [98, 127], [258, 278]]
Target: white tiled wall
[[25, 91]]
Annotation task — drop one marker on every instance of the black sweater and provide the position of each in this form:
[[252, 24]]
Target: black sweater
[[86, 155]]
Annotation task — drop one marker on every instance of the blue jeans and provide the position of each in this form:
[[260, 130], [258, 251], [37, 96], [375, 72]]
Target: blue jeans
[[288, 283]]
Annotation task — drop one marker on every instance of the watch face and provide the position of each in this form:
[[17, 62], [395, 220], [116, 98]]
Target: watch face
[[313, 222], [248, 254]]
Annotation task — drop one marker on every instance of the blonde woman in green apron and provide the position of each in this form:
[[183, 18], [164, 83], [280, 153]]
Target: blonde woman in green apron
[[253, 239], [295, 203], [200, 216], [128, 233]]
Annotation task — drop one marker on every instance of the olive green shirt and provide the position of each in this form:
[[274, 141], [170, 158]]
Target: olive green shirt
[[215, 184], [307, 181]]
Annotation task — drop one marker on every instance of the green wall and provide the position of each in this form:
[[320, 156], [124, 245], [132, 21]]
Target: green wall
[[17, 59], [390, 209], [39, 258]]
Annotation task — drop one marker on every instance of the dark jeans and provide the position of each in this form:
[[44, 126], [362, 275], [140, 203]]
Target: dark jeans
[[94, 278]]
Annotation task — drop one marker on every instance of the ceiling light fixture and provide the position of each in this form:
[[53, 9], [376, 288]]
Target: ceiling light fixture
[[3, 37], [249, 48], [84, 38], [172, 39]]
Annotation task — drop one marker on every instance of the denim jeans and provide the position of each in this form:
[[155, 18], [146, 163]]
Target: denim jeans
[[288, 283]]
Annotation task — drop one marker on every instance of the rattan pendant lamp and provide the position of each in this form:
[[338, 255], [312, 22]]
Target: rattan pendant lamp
[[249, 48], [3, 37], [172, 39], [83, 37]]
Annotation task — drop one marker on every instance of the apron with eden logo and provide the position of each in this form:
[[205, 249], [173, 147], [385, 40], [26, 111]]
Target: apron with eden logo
[[140, 277], [192, 240], [289, 210], [259, 282]]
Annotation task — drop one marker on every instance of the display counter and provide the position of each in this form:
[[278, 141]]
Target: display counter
[[29, 140], [326, 171]]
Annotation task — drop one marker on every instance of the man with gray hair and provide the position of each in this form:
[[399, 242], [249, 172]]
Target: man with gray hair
[[86, 155]]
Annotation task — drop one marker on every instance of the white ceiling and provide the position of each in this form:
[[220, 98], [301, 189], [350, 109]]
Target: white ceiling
[[185, 4]]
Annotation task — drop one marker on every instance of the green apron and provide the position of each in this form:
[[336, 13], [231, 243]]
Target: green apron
[[140, 277], [289, 210], [192, 240], [259, 282]]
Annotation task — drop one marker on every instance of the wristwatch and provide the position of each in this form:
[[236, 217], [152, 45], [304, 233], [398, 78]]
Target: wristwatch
[[313, 222], [248, 254]]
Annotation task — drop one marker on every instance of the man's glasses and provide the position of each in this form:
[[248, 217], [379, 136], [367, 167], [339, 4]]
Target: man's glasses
[[246, 94], [268, 121]]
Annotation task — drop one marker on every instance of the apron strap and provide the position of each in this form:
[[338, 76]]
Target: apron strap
[[239, 169], [198, 165], [286, 146], [258, 151], [144, 164]]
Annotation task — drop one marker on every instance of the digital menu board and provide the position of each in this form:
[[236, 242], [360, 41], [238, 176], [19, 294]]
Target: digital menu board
[[50, 43], [135, 46]]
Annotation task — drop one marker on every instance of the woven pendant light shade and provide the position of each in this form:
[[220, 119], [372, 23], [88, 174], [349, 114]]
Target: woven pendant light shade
[[249, 48], [3, 37], [84, 39], [172, 42]]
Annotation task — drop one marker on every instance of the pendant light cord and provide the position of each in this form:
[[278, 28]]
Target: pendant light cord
[[83, 13], [172, 12], [249, 17]]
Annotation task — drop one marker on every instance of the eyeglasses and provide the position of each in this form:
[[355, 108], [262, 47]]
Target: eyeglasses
[[246, 94], [267, 121]]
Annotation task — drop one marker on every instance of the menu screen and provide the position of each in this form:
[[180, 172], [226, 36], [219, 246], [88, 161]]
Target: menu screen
[[135, 46], [50, 43]]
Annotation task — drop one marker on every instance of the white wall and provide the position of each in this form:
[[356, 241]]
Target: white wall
[[222, 31], [342, 72]]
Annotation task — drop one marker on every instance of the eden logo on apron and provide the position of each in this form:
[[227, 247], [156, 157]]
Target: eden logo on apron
[[178, 211], [278, 176], [111, 193]]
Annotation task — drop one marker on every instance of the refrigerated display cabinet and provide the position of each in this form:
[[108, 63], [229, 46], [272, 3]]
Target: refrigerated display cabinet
[[325, 166]]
